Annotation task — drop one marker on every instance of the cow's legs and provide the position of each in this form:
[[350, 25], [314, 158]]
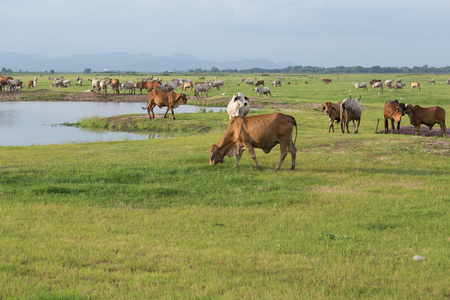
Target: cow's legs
[[417, 129], [443, 128], [167, 112], [398, 127], [252, 154], [386, 125], [238, 157]]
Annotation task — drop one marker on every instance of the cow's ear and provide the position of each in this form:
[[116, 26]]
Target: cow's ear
[[246, 98], [235, 97]]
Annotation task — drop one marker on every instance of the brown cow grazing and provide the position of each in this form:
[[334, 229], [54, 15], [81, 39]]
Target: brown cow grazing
[[187, 85], [153, 85], [169, 99], [414, 84], [260, 83], [30, 84], [115, 85], [427, 116], [326, 81], [141, 85], [263, 132], [4, 81], [393, 111], [333, 111]]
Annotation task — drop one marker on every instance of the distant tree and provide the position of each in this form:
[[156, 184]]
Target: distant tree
[[215, 70], [87, 70], [5, 70], [52, 71]]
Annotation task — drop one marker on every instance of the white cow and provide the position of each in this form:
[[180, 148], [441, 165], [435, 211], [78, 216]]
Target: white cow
[[202, 88], [360, 85], [95, 85], [351, 110], [169, 86], [129, 85], [239, 106], [103, 86], [263, 90], [14, 85]]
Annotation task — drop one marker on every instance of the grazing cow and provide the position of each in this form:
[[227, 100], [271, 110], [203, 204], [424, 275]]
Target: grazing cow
[[260, 83], [202, 88], [351, 110], [398, 81], [393, 110], [448, 81], [217, 84], [326, 80], [427, 116], [249, 82], [242, 79], [388, 81], [115, 85], [431, 81], [66, 82], [14, 85], [263, 91], [376, 84], [333, 111], [263, 132], [276, 83], [30, 84], [169, 86], [162, 99], [238, 106], [360, 85], [153, 85], [129, 86], [414, 84]]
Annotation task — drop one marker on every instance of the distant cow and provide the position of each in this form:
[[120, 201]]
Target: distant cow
[[153, 85], [141, 85], [431, 81], [202, 88], [263, 91], [414, 84], [238, 106], [162, 99], [260, 83], [376, 84], [427, 116], [393, 110], [276, 83], [351, 110], [263, 132], [326, 80], [333, 111], [129, 86], [360, 85]]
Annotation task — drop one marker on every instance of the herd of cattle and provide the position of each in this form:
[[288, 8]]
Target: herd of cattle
[[263, 131]]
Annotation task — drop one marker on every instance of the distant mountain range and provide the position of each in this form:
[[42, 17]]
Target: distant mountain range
[[126, 62]]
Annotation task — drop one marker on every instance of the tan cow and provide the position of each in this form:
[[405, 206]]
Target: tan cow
[[263, 131], [162, 99], [414, 84], [326, 80], [153, 85], [427, 116]]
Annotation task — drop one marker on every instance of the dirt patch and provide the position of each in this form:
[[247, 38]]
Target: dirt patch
[[424, 131]]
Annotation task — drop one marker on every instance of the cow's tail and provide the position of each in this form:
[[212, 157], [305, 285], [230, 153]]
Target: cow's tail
[[295, 124]]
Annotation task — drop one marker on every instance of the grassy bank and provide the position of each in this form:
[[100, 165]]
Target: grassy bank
[[152, 219]]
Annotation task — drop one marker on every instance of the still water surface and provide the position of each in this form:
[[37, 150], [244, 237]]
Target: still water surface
[[39, 123]]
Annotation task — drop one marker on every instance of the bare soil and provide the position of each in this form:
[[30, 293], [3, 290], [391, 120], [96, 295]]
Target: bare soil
[[424, 131]]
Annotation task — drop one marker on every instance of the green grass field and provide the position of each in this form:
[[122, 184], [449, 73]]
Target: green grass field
[[152, 219]]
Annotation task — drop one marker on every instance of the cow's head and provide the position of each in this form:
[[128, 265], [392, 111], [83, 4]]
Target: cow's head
[[326, 107], [182, 97], [410, 110], [402, 108], [214, 157]]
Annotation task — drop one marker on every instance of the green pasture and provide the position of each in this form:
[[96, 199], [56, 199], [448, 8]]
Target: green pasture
[[152, 219]]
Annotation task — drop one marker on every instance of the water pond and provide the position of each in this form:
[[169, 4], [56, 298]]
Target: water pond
[[40, 123]]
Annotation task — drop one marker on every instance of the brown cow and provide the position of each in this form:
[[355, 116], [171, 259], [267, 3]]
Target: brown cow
[[326, 81], [30, 84], [141, 85], [4, 81], [169, 99], [260, 82], [333, 111], [115, 85], [263, 131], [187, 85], [414, 84], [153, 85], [427, 116], [393, 111]]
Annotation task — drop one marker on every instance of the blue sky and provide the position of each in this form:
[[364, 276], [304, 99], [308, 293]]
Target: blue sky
[[317, 33]]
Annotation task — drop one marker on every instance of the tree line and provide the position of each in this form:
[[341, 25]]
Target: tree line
[[335, 70]]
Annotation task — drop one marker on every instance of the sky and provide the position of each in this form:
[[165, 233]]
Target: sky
[[307, 33]]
